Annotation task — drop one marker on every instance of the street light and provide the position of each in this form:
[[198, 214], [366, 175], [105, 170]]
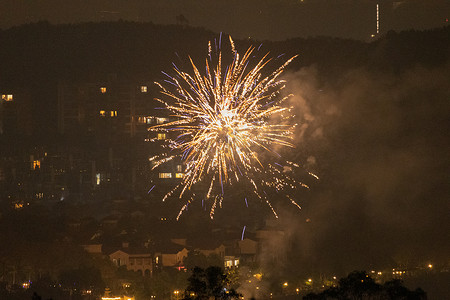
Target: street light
[[176, 294]]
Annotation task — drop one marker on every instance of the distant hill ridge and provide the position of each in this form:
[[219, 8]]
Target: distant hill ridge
[[41, 54]]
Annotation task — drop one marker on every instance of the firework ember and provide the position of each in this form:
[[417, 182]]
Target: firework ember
[[224, 120]]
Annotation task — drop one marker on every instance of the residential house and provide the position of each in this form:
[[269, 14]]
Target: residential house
[[248, 250], [135, 259], [170, 255]]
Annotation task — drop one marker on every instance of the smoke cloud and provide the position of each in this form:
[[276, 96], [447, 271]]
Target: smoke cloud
[[379, 143]]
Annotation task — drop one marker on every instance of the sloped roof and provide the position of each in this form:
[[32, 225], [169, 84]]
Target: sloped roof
[[169, 248]]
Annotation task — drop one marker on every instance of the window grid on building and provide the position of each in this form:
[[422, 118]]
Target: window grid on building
[[165, 175], [7, 97]]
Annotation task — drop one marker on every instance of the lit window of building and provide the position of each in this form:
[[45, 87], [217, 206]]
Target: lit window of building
[[36, 164], [97, 178], [161, 120], [231, 261], [103, 89], [114, 113], [143, 89], [102, 113], [165, 175], [179, 168], [179, 175], [149, 120], [7, 97], [161, 136]]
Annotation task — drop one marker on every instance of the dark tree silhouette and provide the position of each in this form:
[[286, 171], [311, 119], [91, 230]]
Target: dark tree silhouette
[[197, 259], [358, 285], [209, 283], [35, 296]]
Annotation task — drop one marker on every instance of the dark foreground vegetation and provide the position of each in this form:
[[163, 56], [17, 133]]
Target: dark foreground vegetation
[[359, 285]]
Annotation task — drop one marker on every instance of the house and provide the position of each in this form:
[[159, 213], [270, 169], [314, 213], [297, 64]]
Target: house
[[170, 255], [110, 222], [248, 247], [135, 259], [248, 250], [231, 261], [208, 247], [92, 248]]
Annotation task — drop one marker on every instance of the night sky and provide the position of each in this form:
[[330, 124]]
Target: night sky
[[267, 19]]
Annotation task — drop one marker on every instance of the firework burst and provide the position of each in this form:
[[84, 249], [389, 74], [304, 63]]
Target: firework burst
[[224, 120]]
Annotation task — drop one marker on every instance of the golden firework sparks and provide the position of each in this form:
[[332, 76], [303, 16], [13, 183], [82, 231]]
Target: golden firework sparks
[[223, 120]]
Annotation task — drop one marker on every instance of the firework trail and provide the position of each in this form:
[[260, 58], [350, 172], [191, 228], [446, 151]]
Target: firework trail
[[224, 119]]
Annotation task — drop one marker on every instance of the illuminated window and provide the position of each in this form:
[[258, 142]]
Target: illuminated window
[[179, 175], [179, 168], [7, 97], [97, 178], [143, 89], [165, 175], [161, 120], [161, 136], [102, 113], [114, 113], [103, 89], [36, 164], [149, 120]]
